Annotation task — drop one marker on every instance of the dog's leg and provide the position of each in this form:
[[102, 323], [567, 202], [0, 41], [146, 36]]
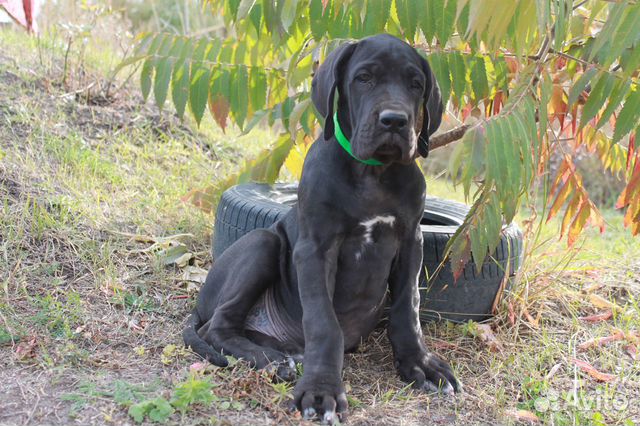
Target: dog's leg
[[414, 363], [320, 390], [244, 272]]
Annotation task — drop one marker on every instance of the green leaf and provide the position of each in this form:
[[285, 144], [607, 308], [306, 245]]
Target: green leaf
[[479, 81], [599, 93], [161, 410], [543, 12], [258, 92], [407, 11], [427, 21], [444, 19], [545, 96], [580, 85], [501, 71], [266, 167], [480, 13], [233, 5], [199, 91], [271, 18], [440, 67], [317, 19], [241, 94], [180, 87], [161, 83], [192, 391], [626, 34], [497, 29], [562, 8], [458, 75], [255, 15], [376, 16], [289, 13], [615, 100], [296, 114], [616, 11], [145, 77], [140, 410], [244, 8], [628, 117]]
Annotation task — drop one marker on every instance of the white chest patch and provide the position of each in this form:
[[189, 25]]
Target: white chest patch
[[370, 224]]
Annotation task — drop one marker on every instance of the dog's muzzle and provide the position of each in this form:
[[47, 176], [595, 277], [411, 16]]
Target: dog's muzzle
[[394, 137]]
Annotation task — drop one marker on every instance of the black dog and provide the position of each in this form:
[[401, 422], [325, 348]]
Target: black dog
[[316, 282]]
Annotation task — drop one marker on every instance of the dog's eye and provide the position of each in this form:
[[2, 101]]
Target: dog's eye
[[416, 84], [364, 77]]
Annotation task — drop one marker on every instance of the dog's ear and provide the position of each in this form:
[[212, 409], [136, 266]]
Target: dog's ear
[[325, 82], [432, 109]]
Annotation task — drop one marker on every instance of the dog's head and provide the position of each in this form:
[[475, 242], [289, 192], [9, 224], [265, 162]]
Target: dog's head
[[389, 102]]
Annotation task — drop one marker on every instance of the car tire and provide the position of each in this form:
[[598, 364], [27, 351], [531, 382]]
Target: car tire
[[246, 207]]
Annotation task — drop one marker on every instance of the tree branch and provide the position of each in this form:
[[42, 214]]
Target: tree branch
[[447, 137]]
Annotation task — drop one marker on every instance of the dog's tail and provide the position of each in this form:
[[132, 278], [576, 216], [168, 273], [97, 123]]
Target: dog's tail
[[198, 345]]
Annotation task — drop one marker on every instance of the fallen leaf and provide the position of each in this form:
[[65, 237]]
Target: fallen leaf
[[553, 371], [533, 321], [439, 344], [194, 274], [600, 302], [601, 341], [592, 371], [26, 348], [512, 314], [603, 316], [523, 416], [633, 337], [632, 351], [486, 335], [593, 287]]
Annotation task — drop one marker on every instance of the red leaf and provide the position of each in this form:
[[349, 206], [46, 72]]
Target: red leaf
[[604, 316], [497, 103], [601, 341], [219, 108], [592, 371], [26, 349], [632, 351], [632, 149], [523, 416]]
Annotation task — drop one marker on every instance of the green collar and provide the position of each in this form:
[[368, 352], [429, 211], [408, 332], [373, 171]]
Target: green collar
[[346, 145]]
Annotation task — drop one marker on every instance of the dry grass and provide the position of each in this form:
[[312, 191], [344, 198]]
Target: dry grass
[[91, 314]]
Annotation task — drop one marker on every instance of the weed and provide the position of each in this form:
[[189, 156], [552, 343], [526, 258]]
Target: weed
[[283, 392], [192, 391], [157, 409], [58, 316]]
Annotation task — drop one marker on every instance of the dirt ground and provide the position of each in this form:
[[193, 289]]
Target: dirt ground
[[100, 262]]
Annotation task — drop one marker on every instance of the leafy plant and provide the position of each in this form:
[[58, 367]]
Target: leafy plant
[[192, 391], [527, 78], [158, 410]]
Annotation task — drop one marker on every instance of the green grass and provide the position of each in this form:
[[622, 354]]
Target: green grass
[[92, 310]]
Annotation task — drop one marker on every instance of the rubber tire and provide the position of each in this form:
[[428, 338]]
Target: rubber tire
[[245, 207]]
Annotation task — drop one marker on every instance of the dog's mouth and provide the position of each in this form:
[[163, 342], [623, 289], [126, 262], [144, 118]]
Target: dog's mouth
[[388, 151]]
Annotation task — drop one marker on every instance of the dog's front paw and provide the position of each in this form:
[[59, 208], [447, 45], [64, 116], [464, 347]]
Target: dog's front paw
[[321, 399], [430, 373]]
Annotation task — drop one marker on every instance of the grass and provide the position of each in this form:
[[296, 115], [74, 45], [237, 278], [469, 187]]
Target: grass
[[93, 300]]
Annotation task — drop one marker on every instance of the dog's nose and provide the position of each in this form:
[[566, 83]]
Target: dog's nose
[[393, 120]]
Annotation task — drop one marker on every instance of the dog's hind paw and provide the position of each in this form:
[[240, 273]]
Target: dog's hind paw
[[283, 371]]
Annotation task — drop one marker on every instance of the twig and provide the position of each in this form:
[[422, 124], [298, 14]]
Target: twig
[[447, 137]]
